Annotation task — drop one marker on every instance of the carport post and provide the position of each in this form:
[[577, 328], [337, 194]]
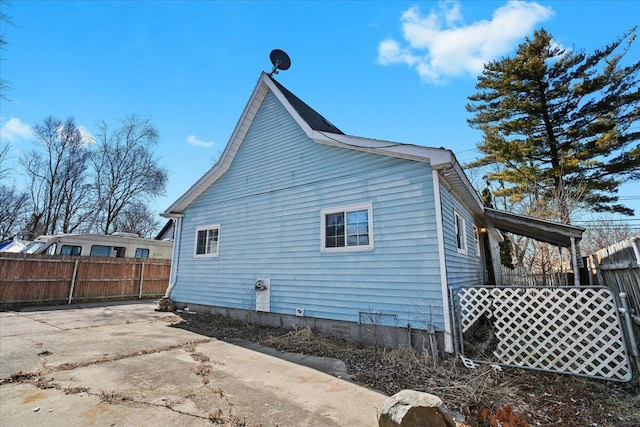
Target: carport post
[[73, 282], [574, 259]]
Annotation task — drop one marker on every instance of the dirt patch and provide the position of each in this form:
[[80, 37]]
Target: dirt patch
[[481, 395]]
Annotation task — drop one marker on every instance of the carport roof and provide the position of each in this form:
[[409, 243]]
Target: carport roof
[[545, 231]]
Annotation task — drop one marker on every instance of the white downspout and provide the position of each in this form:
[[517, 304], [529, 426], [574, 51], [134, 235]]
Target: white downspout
[[448, 340], [177, 236]]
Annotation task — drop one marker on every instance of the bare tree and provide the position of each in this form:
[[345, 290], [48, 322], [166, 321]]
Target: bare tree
[[4, 155], [604, 232], [12, 207], [137, 218], [4, 19], [57, 173], [126, 171]]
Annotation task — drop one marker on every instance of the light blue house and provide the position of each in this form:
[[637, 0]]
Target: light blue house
[[301, 224]]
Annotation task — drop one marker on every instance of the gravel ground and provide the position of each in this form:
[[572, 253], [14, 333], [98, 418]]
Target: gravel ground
[[512, 397]]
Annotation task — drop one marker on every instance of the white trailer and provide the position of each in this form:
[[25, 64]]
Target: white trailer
[[117, 245]]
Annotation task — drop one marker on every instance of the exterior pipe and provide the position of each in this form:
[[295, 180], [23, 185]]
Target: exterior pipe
[[444, 286], [173, 272]]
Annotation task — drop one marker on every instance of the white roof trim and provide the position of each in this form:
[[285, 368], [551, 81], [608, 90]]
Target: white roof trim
[[229, 153], [438, 158]]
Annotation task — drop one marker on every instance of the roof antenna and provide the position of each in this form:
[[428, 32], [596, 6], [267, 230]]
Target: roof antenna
[[280, 61]]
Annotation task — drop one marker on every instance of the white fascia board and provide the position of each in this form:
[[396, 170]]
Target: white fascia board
[[467, 184], [285, 103], [229, 153], [436, 157]]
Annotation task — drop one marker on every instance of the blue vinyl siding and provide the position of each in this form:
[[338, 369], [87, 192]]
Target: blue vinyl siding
[[463, 269], [268, 206]]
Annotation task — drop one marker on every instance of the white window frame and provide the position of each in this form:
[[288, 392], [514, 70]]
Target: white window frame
[[346, 209], [195, 244], [462, 233], [476, 239]]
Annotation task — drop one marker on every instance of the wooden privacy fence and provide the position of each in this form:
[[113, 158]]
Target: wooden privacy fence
[[39, 279], [618, 268]]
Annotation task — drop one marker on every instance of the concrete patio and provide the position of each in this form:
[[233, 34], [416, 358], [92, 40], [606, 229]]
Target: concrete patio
[[124, 364]]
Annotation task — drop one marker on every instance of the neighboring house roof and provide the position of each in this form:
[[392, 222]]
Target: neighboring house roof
[[167, 232], [13, 245]]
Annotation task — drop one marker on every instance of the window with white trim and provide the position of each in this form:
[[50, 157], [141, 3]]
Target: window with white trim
[[207, 241], [461, 235], [476, 239], [348, 228]]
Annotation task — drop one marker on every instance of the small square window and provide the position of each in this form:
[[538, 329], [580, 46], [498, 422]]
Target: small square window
[[207, 241], [347, 229]]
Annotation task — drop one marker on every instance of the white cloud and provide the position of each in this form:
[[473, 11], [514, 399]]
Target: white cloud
[[440, 44], [87, 137], [14, 130], [191, 139]]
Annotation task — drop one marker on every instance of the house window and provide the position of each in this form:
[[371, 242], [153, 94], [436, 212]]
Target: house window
[[347, 228], [142, 253], [71, 250], [461, 237], [207, 241], [476, 239]]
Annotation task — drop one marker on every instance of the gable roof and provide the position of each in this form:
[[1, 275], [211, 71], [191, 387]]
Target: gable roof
[[322, 131]]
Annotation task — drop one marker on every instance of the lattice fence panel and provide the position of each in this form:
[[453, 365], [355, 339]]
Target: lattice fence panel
[[563, 329]]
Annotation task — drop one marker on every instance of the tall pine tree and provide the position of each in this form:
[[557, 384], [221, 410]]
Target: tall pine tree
[[559, 124]]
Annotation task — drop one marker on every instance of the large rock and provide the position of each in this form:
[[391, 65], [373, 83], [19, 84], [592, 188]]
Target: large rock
[[410, 408]]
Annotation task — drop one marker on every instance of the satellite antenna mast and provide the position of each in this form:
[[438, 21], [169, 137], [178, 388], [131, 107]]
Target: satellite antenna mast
[[280, 61]]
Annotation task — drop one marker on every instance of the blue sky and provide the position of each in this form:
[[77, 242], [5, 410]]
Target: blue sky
[[399, 71]]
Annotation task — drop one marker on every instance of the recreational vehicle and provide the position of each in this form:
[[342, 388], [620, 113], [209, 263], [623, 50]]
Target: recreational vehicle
[[117, 245]]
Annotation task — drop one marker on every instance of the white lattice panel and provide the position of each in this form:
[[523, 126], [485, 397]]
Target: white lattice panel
[[566, 329], [473, 303]]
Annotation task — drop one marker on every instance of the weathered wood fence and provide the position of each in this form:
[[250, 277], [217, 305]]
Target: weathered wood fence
[[618, 268], [519, 276], [28, 279]]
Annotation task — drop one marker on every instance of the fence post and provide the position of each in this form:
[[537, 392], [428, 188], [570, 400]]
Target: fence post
[[596, 263], [73, 281], [141, 279], [635, 243], [629, 323], [574, 259]]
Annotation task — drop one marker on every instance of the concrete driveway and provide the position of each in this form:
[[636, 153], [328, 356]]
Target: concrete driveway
[[123, 364]]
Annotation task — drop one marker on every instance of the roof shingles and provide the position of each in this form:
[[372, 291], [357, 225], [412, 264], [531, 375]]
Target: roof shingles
[[314, 119]]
